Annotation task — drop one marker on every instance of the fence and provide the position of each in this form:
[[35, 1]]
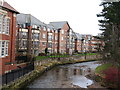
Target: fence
[[13, 75]]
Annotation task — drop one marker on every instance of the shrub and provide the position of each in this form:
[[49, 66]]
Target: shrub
[[42, 54], [112, 76]]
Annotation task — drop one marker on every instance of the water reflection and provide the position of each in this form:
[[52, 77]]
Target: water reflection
[[66, 76]]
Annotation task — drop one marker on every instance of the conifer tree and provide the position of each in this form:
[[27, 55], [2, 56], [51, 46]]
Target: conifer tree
[[110, 25]]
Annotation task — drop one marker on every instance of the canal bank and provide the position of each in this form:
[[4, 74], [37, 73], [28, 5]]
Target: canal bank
[[41, 68], [67, 76]]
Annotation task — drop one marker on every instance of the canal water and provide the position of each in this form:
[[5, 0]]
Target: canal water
[[67, 76]]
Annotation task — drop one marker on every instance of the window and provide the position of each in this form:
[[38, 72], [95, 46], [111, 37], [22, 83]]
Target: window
[[50, 37], [36, 44], [48, 29], [44, 28], [44, 36], [6, 49], [3, 48], [3, 28], [62, 38], [7, 26], [1, 2], [44, 43], [23, 35], [34, 26], [35, 36], [56, 31], [62, 31], [56, 38], [49, 45], [1, 23], [4, 24], [0, 47], [24, 42]]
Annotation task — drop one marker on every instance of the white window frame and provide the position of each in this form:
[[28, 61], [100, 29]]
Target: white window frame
[[4, 48], [48, 29], [44, 35], [7, 26], [44, 43], [62, 32], [56, 38], [4, 24], [62, 38], [1, 23], [44, 28], [0, 47], [56, 31]]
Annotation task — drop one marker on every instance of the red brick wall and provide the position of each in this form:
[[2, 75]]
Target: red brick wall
[[43, 39], [62, 43], [11, 48], [78, 45]]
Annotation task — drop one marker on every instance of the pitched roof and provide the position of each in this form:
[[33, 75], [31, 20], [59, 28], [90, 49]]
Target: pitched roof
[[28, 18], [9, 7], [58, 24], [50, 26]]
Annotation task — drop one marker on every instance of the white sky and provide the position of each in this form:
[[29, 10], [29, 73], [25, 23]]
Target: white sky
[[80, 14]]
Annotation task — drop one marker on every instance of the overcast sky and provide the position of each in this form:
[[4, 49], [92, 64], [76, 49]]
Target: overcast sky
[[80, 14]]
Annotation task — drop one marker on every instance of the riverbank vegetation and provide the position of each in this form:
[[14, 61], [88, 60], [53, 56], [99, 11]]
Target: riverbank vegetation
[[108, 74], [110, 26], [43, 56]]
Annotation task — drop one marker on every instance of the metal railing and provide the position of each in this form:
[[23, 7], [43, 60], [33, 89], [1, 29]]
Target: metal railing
[[15, 74]]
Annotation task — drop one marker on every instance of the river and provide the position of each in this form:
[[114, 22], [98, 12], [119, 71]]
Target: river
[[67, 76]]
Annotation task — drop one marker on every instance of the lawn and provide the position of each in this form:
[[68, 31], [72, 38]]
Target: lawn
[[56, 56], [53, 56], [101, 68], [83, 54]]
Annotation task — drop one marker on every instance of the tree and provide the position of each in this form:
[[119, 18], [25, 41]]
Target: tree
[[110, 26], [46, 51]]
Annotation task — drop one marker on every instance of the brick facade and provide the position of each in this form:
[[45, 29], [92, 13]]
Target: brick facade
[[7, 62]]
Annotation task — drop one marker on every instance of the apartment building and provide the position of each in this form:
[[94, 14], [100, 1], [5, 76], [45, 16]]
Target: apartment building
[[43, 38], [83, 42], [78, 43], [49, 39], [62, 28], [71, 41], [52, 39], [28, 35], [86, 38], [96, 44], [7, 37]]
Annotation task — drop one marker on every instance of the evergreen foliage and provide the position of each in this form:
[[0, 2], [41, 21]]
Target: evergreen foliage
[[110, 25]]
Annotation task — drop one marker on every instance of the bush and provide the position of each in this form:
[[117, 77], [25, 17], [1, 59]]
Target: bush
[[112, 75], [42, 54]]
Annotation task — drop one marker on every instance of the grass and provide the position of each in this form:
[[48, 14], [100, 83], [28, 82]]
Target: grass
[[99, 70], [56, 56], [53, 56], [83, 54], [41, 57]]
